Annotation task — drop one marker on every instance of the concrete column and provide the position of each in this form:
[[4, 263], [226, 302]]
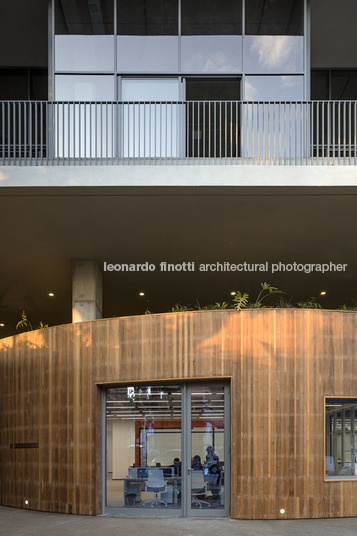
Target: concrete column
[[86, 291]]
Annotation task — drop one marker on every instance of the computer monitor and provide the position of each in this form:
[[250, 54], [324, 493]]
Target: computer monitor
[[168, 471]]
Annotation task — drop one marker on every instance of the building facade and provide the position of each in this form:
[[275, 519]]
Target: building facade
[[173, 137]]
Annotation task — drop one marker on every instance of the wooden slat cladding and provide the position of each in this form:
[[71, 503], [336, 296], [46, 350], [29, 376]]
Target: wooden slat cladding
[[281, 363]]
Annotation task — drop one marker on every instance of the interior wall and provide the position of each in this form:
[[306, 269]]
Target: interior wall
[[123, 447], [333, 34]]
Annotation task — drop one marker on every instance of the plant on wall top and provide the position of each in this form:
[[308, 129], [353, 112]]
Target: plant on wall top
[[26, 325]]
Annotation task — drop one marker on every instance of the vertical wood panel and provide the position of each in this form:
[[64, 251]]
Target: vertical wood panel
[[281, 363]]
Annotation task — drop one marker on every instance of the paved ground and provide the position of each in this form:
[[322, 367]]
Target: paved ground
[[17, 522]]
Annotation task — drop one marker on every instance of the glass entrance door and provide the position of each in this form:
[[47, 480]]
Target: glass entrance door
[[167, 450], [208, 450]]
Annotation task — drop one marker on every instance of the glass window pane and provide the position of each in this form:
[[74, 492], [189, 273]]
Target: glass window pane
[[92, 53], [340, 448], [275, 117], [14, 84], [212, 89], [38, 84], [147, 17], [274, 17], [149, 89], [274, 54], [274, 88], [151, 130], [84, 88], [143, 54], [209, 17], [207, 447], [319, 85], [84, 17], [344, 85], [211, 54], [143, 453]]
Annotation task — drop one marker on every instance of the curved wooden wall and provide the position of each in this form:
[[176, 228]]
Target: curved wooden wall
[[281, 363]]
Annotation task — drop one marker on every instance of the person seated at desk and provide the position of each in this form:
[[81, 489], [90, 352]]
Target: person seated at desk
[[196, 463], [177, 467], [213, 466]]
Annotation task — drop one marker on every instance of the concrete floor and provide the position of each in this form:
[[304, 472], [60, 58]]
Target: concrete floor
[[18, 522]]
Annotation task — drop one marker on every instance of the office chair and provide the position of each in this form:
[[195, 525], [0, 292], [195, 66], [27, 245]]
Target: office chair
[[155, 484], [198, 487]]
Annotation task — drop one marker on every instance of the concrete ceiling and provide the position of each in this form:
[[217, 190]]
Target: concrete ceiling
[[43, 230]]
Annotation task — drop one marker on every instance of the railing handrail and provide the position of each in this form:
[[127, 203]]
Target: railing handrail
[[80, 132]]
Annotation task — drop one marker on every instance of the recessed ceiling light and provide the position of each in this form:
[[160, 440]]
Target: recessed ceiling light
[[2, 325], [51, 294], [233, 293], [323, 292], [141, 293]]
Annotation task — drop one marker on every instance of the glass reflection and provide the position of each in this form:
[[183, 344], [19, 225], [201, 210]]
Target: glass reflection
[[151, 129], [147, 17], [93, 53], [207, 447], [270, 53], [211, 54], [278, 126], [274, 88], [143, 451], [84, 18], [147, 53], [340, 440], [209, 17], [274, 17]]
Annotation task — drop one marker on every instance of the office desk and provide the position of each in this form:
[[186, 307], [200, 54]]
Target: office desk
[[135, 485]]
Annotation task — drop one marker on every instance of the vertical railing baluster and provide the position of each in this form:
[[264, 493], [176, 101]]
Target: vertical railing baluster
[[36, 130], [13, 124], [355, 132], [349, 131], [19, 126], [3, 132], [25, 131], [322, 132], [296, 133]]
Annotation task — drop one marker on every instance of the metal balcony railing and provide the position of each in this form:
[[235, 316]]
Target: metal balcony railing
[[202, 132]]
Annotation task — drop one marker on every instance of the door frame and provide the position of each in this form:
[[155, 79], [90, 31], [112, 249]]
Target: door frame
[[186, 510]]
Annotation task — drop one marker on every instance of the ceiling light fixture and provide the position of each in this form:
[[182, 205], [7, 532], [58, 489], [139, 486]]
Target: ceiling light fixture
[[2, 325], [51, 294], [323, 292], [233, 293], [141, 293]]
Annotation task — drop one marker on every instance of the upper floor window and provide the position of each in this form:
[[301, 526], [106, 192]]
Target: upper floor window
[[334, 84], [147, 17], [274, 41], [274, 17], [23, 84], [209, 17], [84, 17]]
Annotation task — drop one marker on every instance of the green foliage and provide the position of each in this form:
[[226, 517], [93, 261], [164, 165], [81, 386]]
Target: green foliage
[[311, 303], [179, 308], [240, 300], [214, 306], [255, 305], [266, 291], [26, 325], [348, 308], [283, 303]]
